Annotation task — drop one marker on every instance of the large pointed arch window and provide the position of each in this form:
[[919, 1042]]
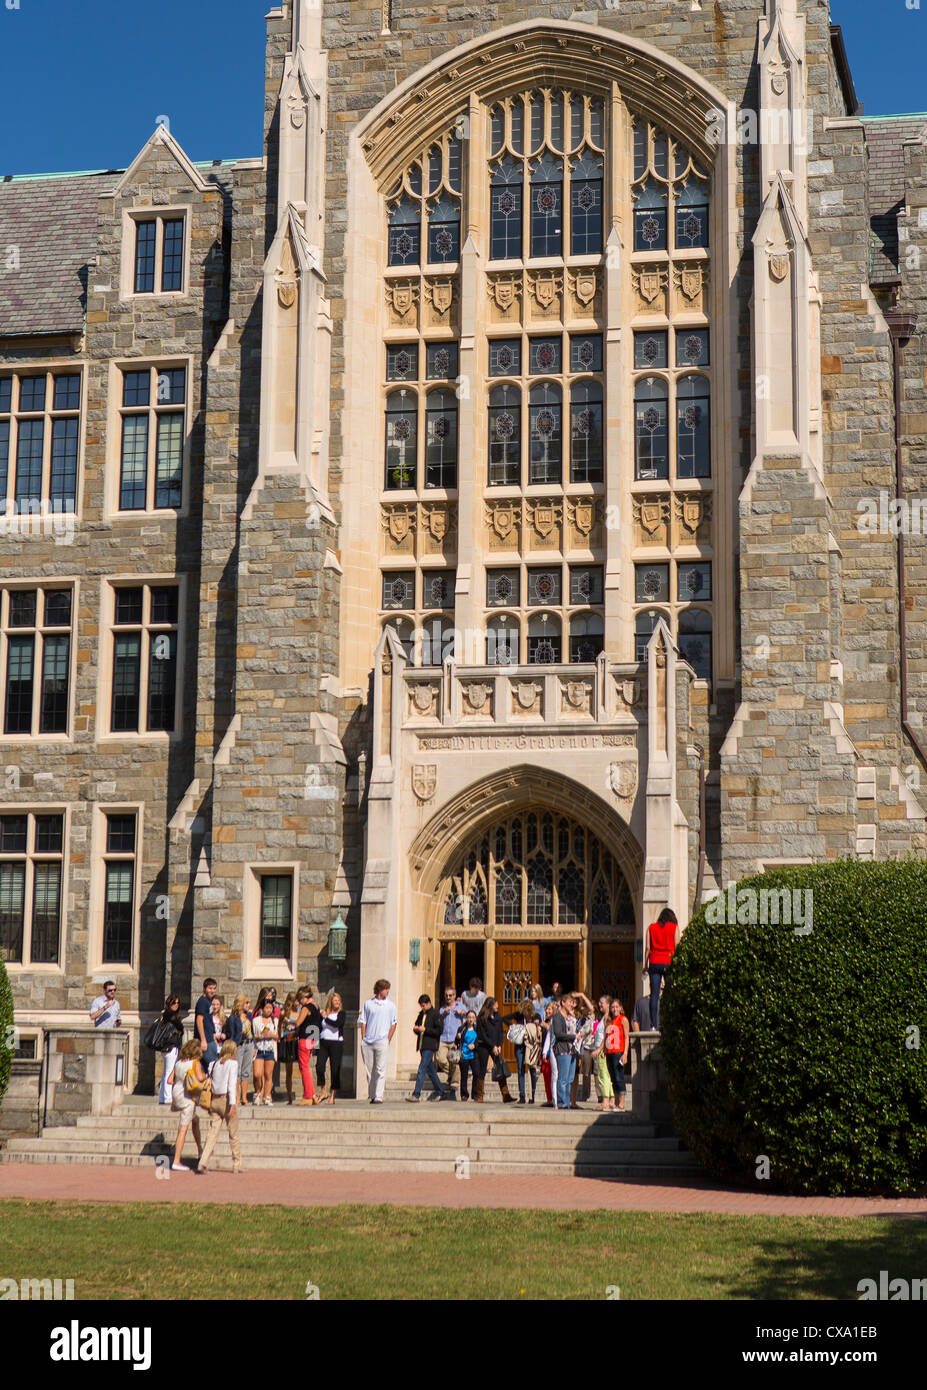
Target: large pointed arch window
[[540, 869]]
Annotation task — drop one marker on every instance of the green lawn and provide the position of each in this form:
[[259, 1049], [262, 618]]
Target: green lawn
[[153, 1250]]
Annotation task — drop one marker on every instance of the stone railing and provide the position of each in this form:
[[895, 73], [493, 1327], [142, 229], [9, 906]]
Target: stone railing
[[599, 693], [82, 1071]]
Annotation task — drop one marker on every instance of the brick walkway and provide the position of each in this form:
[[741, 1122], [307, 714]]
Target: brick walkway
[[101, 1183]]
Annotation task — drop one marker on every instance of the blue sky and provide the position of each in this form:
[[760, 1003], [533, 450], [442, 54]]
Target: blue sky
[[83, 82]]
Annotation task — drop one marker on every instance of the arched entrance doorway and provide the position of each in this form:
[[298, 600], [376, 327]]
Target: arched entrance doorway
[[537, 897]]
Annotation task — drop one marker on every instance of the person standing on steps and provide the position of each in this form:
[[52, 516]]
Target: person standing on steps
[[563, 1027], [205, 1022], [662, 940], [331, 1047], [287, 1053], [264, 1032], [378, 1022], [549, 1057], [532, 1054], [489, 1046], [466, 1040], [171, 1019], [308, 1031], [427, 1030], [617, 1037], [223, 1106], [473, 996], [453, 1014], [239, 1029], [182, 1101]]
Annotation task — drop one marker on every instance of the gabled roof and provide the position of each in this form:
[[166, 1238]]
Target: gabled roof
[[53, 223], [161, 136], [886, 137]]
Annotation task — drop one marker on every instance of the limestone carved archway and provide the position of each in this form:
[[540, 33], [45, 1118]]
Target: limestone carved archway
[[519, 789]]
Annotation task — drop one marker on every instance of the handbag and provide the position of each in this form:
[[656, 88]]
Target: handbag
[[454, 1056], [516, 1033], [200, 1092], [161, 1036], [500, 1071]]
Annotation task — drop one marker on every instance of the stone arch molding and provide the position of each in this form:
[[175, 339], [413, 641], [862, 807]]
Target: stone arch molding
[[538, 52], [450, 830]]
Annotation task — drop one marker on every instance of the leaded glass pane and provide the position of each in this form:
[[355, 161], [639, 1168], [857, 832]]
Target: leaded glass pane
[[691, 347], [585, 352], [571, 894], [650, 349], [502, 588], [651, 583], [650, 429], [402, 362], [441, 361], [399, 589], [693, 433], [585, 584], [540, 904], [544, 587], [276, 915], [544, 356], [405, 231], [508, 894], [505, 357], [144, 257], [694, 581]]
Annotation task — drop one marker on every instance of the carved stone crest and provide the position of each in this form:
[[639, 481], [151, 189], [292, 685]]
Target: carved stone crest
[[297, 111], [399, 524], [441, 293], [424, 780], [423, 697], [286, 277], [504, 290], [503, 520], [476, 693], [583, 517], [576, 694], [690, 281], [622, 779], [779, 265], [526, 693], [649, 284], [437, 525], [544, 519], [545, 288], [584, 286], [691, 513], [651, 516], [401, 296]]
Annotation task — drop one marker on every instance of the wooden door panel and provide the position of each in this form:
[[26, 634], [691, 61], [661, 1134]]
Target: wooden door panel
[[516, 971], [613, 973]]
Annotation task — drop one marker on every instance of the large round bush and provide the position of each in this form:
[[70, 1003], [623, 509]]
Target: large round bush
[[6, 1030], [808, 1048]]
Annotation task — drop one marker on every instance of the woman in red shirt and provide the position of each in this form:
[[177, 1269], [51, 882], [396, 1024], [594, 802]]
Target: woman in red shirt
[[662, 940]]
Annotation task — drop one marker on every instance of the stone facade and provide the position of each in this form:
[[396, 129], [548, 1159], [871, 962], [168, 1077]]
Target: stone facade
[[313, 743]]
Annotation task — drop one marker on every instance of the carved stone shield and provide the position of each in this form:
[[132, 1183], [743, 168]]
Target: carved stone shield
[[779, 266], [437, 525], [442, 292], [544, 520], [503, 519], [622, 778], [286, 292], [545, 289], [526, 693], [399, 524], [423, 698], [650, 285], [691, 513], [690, 282], [402, 299], [577, 693], [476, 695], [583, 516], [651, 516], [504, 293], [424, 780], [585, 287]]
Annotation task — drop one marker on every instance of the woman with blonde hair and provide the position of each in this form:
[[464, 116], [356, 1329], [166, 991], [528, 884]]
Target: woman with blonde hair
[[223, 1106], [188, 1061], [239, 1031], [602, 1078], [331, 1047], [286, 1051]]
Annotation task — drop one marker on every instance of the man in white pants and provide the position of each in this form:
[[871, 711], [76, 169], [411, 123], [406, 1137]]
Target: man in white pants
[[378, 1020]]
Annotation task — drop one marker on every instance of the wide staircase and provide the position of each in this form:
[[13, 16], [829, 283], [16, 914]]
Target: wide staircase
[[352, 1136]]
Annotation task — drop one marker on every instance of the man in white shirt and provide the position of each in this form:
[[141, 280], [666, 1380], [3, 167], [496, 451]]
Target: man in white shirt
[[104, 1011], [378, 1020]]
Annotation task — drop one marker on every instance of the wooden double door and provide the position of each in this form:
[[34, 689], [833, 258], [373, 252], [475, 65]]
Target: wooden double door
[[518, 967]]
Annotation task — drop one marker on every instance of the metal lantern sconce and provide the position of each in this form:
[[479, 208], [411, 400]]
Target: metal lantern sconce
[[415, 951], [338, 941]]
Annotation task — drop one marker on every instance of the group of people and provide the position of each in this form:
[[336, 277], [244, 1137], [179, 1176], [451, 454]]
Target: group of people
[[230, 1052], [564, 1037]]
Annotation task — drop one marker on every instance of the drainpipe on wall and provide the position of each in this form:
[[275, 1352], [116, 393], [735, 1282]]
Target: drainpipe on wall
[[901, 326], [702, 830]]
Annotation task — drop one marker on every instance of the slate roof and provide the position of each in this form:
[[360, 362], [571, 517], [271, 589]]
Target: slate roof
[[885, 137], [53, 222]]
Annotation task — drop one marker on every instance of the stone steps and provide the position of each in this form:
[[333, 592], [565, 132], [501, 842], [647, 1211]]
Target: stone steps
[[352, 1137]]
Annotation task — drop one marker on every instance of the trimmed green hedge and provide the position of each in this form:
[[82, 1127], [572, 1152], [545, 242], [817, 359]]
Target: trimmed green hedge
[[6, 1030], [810, 1049]]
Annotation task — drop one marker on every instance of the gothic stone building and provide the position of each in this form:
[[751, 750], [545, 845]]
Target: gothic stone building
[[476, 517]]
